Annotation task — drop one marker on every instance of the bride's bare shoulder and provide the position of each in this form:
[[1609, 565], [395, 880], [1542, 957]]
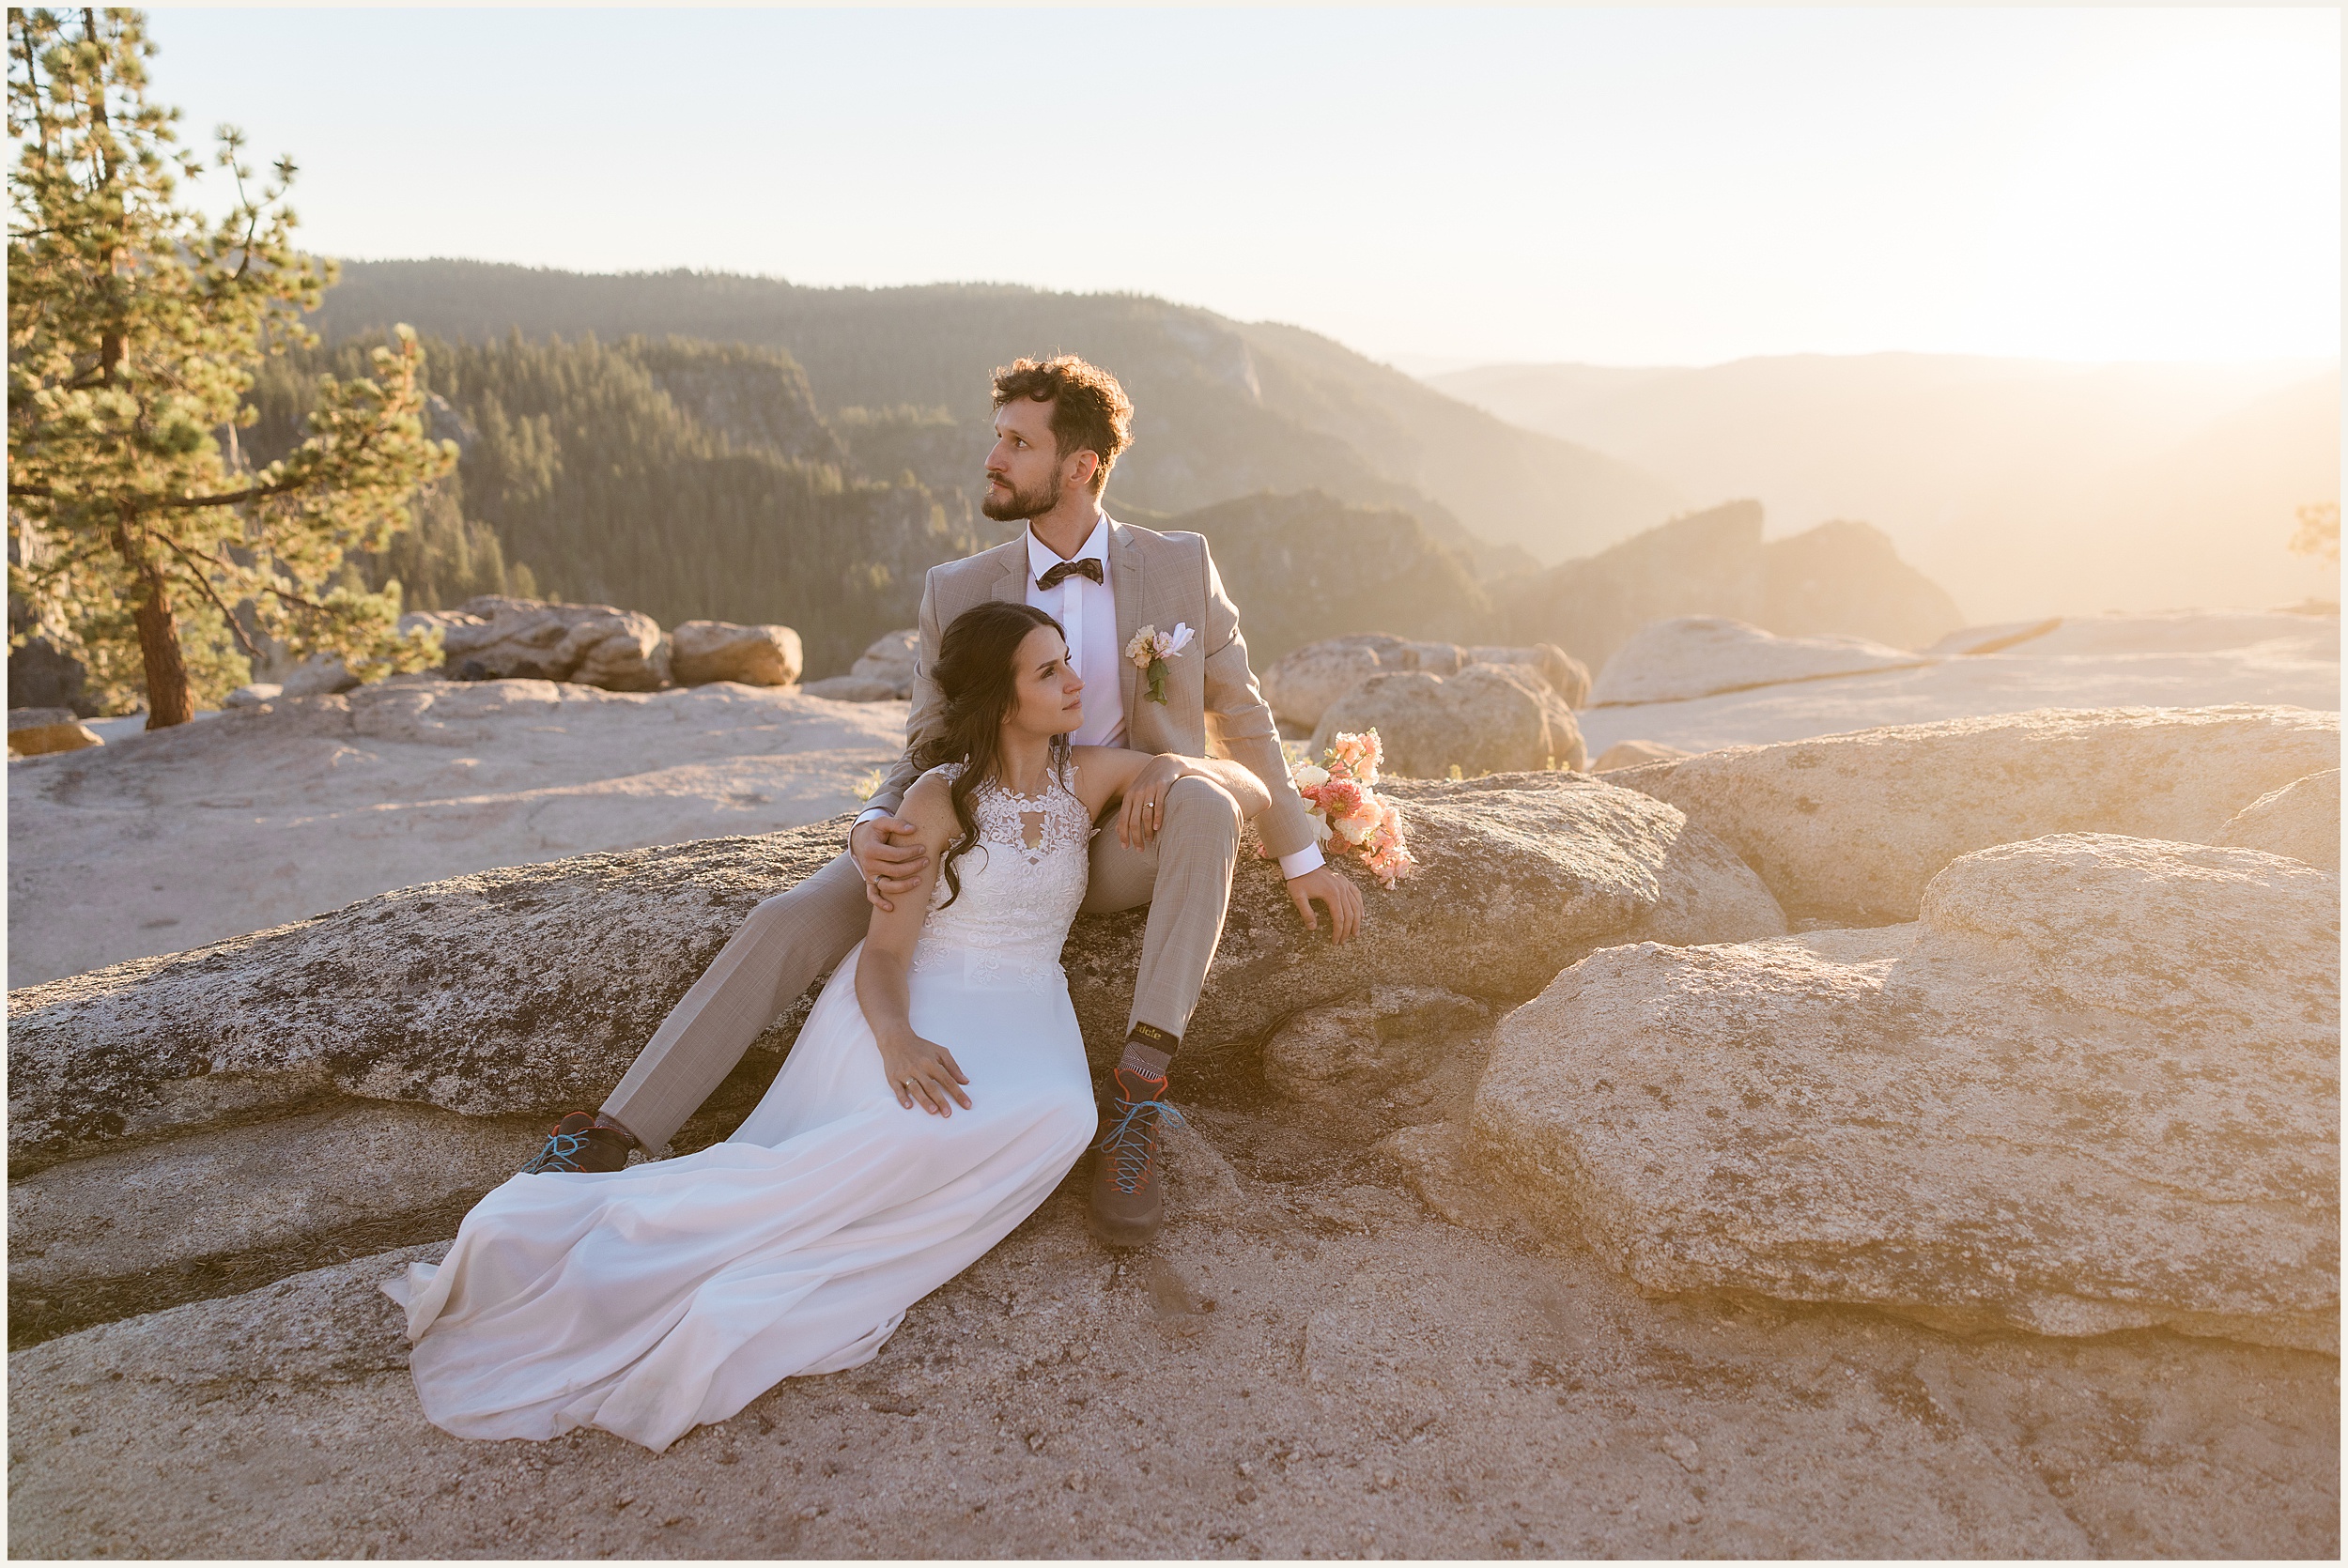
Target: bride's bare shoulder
[[930, 806]]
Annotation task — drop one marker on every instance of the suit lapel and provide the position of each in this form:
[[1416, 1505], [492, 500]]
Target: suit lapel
[[1125, 571], [1012, 585]]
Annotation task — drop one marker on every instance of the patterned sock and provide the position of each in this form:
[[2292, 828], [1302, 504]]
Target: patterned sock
[[1141, 1071]]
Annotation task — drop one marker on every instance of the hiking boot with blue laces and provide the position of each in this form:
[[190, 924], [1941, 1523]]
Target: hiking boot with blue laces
[[577, 1144], [1128, 1174]]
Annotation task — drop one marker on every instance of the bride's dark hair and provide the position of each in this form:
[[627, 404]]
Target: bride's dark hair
[[981, 683]]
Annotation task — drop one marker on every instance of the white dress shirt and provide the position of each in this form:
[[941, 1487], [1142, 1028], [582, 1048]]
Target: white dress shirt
[[1087, 611]]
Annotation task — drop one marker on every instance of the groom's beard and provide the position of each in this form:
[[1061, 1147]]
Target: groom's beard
[[1020, 505]]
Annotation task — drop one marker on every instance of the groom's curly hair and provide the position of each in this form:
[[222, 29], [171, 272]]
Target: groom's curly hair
[[1090, 412]]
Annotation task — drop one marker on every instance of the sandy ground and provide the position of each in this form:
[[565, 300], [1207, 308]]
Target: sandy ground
[[2301, 671], [1309, 1364], [160, 842]]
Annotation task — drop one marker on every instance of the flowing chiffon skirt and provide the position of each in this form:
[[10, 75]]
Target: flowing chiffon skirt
[[648, 1300]]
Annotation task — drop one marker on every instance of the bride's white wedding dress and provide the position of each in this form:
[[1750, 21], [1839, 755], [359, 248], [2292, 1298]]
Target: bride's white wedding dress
[[653, 1299]]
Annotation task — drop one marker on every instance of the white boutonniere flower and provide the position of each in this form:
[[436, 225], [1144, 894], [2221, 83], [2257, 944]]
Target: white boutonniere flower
[[1150, 650]]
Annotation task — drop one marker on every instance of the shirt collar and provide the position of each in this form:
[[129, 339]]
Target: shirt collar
[[1096, 548]]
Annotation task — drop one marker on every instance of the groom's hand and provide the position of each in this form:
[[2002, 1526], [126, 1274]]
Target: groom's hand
[[1343, 899], [889, 867]]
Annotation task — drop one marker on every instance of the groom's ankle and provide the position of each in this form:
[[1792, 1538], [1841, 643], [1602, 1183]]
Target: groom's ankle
[[1149, 1052]]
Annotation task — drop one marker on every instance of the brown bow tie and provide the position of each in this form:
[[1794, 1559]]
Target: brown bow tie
[[1088, 567]]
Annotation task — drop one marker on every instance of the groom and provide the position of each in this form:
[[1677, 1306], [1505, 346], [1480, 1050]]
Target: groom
[[1060, 424]]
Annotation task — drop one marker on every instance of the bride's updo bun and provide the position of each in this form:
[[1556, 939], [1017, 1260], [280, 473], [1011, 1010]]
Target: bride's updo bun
[[979, 681]]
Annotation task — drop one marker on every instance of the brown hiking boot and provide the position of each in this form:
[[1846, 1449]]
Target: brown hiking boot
[[577, 1144], [1128, 1177]]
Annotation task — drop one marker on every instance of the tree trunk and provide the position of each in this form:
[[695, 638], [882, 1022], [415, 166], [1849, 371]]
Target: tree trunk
[[167, 698]]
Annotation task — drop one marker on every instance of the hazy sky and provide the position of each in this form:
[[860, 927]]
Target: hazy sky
[[1615, 186]]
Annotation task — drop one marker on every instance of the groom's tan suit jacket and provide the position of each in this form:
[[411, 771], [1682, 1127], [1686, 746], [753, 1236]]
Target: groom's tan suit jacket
[[1158, 579]]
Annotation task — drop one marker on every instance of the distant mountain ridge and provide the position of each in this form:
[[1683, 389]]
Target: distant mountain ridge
[[1223, 408], [1840, 576], [712, 446], [2025, 488]]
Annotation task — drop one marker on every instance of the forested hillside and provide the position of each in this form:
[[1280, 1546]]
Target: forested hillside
[[1222, 408], [687, 479], [813, 484], [693, 480], [699, 480]]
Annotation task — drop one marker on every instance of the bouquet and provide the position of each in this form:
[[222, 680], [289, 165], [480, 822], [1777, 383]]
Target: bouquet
[[1341, 790]]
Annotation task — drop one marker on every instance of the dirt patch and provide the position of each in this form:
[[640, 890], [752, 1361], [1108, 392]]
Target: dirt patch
[[1309, 1364]]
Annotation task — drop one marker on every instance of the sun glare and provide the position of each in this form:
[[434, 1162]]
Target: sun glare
[[2172, 204]]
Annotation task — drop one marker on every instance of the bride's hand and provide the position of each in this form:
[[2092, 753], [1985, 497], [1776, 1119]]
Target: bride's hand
[[1138, 825], [924, 1071]]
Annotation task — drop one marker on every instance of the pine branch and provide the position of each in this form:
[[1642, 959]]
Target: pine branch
[[237, 497], [205, 583], [268, 585]]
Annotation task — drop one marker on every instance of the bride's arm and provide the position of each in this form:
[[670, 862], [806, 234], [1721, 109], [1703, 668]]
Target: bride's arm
[[1107, 773], [918, 1069]]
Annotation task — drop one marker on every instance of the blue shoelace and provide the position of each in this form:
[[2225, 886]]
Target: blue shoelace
[[561, 1154], [1129, 1144]]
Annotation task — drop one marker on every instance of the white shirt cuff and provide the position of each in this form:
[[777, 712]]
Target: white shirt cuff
[[868, 814], [1306, 859]]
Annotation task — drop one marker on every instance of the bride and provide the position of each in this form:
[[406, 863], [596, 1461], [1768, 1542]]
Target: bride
[[937, 1095]]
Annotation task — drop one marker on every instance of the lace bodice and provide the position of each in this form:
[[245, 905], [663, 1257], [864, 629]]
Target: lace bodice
[[1021, 886]]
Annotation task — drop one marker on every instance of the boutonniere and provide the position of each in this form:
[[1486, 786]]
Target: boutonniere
[[1150, 650]]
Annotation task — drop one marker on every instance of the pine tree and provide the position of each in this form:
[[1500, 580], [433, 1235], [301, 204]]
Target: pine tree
[[136, 326]]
